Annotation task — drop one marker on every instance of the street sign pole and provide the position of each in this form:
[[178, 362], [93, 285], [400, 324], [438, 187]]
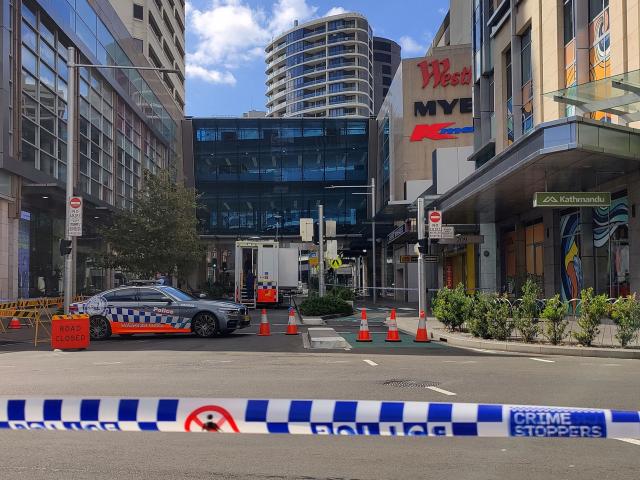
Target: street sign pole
[[321, 250], [69, 266], [421, 273], [373, 236]]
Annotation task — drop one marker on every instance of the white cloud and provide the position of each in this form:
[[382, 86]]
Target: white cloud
[[411, 46], [442, 11], [286, 11], [335, 11], [209, 75], [228, 34]]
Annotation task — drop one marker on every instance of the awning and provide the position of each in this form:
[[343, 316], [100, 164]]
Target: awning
[[617, 95], [571, 154]]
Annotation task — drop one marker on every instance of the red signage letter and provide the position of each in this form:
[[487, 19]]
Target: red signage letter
[[432, 132]]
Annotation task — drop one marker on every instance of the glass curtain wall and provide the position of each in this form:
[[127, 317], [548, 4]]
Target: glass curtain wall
[[259, 177]]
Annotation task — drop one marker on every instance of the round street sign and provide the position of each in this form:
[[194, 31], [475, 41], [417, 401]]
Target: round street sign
[[435, 217], [75, 202]]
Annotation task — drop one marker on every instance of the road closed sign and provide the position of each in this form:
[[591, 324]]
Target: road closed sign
[[75, 217]]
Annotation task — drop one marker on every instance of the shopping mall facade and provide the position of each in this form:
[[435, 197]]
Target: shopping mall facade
[[556, 89]]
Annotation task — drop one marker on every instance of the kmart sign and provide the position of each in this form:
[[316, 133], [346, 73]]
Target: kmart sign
[[571, 199]]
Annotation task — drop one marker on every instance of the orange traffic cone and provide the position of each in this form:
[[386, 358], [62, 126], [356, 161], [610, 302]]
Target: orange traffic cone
[[265, 328], [15, 324], [292, 326], [392, 333], [421, 335], [363, 334]]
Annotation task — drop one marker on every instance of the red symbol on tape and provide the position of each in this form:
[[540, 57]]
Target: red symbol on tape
[[210, 418]]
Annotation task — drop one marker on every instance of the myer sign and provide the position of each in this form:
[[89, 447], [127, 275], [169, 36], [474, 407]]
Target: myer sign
[[571, 199]]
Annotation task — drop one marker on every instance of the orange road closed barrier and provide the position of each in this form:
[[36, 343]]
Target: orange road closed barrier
[[70, 332]]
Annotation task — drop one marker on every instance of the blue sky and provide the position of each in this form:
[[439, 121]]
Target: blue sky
[[226, 39]]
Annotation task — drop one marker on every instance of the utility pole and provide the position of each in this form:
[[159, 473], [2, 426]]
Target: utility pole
[[321, 249], [421, 273], [69, 266], [373, 236]]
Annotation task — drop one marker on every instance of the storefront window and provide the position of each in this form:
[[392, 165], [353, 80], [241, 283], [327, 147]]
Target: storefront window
[[534, 248], [571, 271], [611, 243]]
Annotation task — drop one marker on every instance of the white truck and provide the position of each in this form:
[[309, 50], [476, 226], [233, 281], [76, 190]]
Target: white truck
[[264, 272]]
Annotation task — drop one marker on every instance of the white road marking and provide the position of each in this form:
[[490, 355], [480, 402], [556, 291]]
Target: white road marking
[[407, 309], [542, 360], [107, 363], [634, 441], [462, 362], [482, 350], [370, 362], [440, 390]]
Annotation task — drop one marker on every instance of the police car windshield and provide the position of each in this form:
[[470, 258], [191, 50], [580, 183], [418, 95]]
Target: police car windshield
[[179, 294]]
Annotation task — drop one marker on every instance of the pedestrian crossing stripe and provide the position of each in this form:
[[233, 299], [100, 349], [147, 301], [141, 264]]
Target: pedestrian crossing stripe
[[315, 417]]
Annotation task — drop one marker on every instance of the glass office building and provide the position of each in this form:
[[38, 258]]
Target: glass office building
[[125, 122], [258, 177]]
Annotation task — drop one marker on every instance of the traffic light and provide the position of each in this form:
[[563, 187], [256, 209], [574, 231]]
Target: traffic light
[[65, 247], [214, 263], [423, 246]]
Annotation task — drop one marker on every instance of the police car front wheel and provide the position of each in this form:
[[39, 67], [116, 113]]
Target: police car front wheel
[[204, 325], [99, 328]]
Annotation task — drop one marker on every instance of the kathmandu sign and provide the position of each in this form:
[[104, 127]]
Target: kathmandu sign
[[572, 199], [438, 70]]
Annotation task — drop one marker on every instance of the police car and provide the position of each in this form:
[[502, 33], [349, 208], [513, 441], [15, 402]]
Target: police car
[[159, 309]]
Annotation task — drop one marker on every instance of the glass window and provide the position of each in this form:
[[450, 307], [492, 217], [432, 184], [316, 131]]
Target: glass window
[[47, 119], [124, 295], [29, 61], [179, 294], [85, 34], [568, 21], [28, 14], [47, 76], [29, 36], [29, 130]]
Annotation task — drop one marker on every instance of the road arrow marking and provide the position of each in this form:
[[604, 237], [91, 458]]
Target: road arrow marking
[[440, 390], [370, 362]]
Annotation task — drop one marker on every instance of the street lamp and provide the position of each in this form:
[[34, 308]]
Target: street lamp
[[372, 192], [69, 267]]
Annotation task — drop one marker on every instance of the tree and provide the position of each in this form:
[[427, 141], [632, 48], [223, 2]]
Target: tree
[[526, 312], [452, 306], [159, 234], [554, 312], [592, 309], [626, 314]]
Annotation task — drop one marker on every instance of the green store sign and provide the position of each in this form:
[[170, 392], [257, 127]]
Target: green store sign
[[572, 199]]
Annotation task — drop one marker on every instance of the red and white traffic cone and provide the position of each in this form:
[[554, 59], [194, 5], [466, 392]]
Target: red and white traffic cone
[[265, 328], [292, 326], [363, 334], [421, 335], [392, 332], [15, 324]]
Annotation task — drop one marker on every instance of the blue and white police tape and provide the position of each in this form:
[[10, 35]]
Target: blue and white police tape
[[315, 417]]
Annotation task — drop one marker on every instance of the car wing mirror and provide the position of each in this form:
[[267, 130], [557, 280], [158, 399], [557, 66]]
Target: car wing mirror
[[202, 295]]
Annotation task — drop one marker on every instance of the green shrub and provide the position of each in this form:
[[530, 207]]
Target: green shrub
[[625, 312], [343, 293], [525, 315], [452, 307], [327, 305], [500, 325], [592, 309], [478, 323], [554, 313]]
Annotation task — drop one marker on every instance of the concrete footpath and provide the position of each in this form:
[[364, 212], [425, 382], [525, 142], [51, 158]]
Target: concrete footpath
[[438, 331]]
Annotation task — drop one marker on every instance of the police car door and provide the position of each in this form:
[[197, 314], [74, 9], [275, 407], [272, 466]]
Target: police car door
[[157, 306]]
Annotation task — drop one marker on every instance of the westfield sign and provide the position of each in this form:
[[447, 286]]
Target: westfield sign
[[438, 70]]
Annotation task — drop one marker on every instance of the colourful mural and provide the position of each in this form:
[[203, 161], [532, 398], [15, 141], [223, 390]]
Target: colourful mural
[[600, 54], [571, 267], [607, 220]]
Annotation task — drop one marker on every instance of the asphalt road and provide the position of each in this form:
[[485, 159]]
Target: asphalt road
[[279, 367]]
